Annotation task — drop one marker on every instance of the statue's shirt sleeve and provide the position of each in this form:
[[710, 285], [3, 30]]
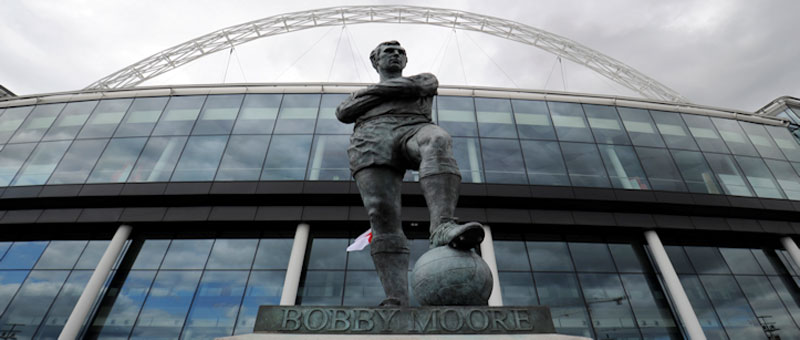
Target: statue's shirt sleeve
[[406, 95]]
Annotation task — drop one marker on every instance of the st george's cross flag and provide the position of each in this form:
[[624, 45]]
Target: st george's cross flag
[[362, 241]]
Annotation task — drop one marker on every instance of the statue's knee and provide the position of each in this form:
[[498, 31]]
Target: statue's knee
[[437, 142]]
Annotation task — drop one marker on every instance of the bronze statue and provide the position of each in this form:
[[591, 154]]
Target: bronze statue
[[394, 132]]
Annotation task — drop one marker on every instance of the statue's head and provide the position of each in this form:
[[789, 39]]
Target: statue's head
[[388, 56]]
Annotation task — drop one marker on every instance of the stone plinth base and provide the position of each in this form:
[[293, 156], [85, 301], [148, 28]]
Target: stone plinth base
[[283, 336]]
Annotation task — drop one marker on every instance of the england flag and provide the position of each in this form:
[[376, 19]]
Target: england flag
[[362, 241]]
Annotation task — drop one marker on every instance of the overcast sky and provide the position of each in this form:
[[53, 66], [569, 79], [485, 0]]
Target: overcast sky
[[738, 54]]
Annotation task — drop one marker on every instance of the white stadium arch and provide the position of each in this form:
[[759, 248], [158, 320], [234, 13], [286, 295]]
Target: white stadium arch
[[228, 37]]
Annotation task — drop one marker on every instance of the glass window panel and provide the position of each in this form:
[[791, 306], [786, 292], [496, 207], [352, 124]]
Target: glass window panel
[[762, 141], [640, 127], [115, 321], [70, 120], [218, 115], [11, 120], [78, 161], [360, 260], [258, 114], [502, 161], [327, 122], [327, 253], [787, 294], [298, 113], [673, 130], [608, 304], [62, 307], [232, 254], [329, 160], [628, 258], [187, 254], [151, 254], [517, 289], [363, 288], [591, 257], [783, 138], [695, 171], [533, 119], [702, 307], [215, 305], [37, 123], [734, 137], [741, 261], [10, 280], [179, 116], [200, 158], [584, 165], [31, 303], [91, 254], [707, 260], [158, 159], [570, 122], [3, 248], [549, 256], [560, 292], [22, 255], [457, 115], [287, 158], [263, 288], [510, 252], [141, 117], [41, 163], [767, 305], [117, 160], [705, 134], [11, 159], [623, 167], [321, 288], [243, 158], [759, 177], [728, 174], [165, 309], [605, 124], [770, 264], [544, 163], [273, 253], [679, 259], [467, 154], [660, 169], [732, 307], [786, 176], [649, 304], [60, 255], [105, 118], [495, 118]]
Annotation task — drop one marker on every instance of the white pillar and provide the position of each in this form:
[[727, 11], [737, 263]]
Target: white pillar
[[487, 252], [292, 281], [674, 287], [92, 291], [791, 247]]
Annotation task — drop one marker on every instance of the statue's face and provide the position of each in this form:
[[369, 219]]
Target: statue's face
[[392, 58]]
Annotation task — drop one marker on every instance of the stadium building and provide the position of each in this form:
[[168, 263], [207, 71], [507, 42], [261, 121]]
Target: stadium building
[[175, 211]]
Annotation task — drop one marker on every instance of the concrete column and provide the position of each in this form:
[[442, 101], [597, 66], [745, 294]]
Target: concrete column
[[92, 291], [292, 281], [791, 247], [487, 252], [674, 287]]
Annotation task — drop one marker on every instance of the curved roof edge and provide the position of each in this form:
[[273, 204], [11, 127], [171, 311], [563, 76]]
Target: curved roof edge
[[478, 91]]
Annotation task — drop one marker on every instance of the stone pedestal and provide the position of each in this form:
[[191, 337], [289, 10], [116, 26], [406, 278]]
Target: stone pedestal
[[284, 336]]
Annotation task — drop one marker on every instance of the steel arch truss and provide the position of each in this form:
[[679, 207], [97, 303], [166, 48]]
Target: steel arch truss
[[226, 38]]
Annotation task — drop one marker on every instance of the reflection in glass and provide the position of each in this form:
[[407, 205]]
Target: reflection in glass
[[11, 119], [544, 163], [200, 158], [510, 252], [219, 113], [62, 307], [605, 124], [707, 260], [243, 158], [11, 158], [702, 307], [232, 254], [502, 161], [273, 253], [674, 130], [494, 118], [91, 254], [759, 177], [30, 305], [105, 118], [660, 170], [22, 255], [142, 117], [41, 163], [327, 123], [741, 261], [584, 165], [623, 167], [360, 260], [783, 138], [729, 176], [767, 304], [10, 280], [327, 253], [363, 288], [298, 113], [467, 155], [158, 159], [608, 305], [457, 115], [533, 119], [179, 116], [695, 171], [591, 257], [287, 158], [734, 137], [786, 176], [640, 127], [116, 316], [679, 260], [628, 259], [60, 255], [151, 254], [650, 307], [165, 309], [187, 254], [762, 140], [570, 122], [560, 292], [117, 160], [78, 161], [37, 123], [517, 289], [258, 114], [321, 288], [215, 305], [705, 134], [549, 256], [263, 288], [70, 121], [782, 286], [329, 160], [732, 307]]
